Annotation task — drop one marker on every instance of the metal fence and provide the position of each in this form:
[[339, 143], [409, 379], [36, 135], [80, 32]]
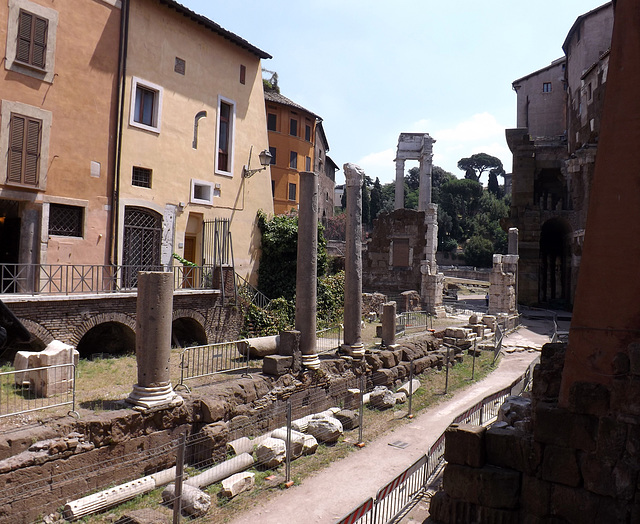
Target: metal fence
[[66, 279], [395, 498], [210, 359], [35, 389], [250, 293], [413, 321], [329, 339]]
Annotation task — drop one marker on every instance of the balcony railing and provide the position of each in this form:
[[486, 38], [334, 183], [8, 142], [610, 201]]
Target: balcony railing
[[68, 279]]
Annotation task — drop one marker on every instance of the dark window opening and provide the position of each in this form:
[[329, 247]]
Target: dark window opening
[[293, 160], [243, 74], [272, 121], [145, 106], [180, 66], [293, 127], [65, 220], [273, 152], [292, 191], [141, 176], [307, 133], [224, 137]]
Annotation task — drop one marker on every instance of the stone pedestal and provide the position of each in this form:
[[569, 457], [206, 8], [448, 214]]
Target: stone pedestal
[[307, 268], [389, 324], [353, 263], [153, 341]]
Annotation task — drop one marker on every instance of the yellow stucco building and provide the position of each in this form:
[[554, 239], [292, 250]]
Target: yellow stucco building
[[193, 110]]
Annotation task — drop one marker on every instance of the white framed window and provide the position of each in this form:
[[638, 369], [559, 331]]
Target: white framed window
[[226, 123], [202, 192], [31, 39], [146, 105]]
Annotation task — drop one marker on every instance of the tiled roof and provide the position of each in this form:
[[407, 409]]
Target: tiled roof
[[272, 96], [216, 28]]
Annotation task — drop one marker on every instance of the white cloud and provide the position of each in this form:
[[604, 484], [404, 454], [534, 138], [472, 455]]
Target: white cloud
[[481, 133]]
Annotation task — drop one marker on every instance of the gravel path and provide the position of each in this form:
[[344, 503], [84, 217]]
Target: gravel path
[[335, 491]]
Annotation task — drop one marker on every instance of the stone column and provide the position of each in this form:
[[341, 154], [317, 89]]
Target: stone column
[[353, 263], [307, 268], [389, 324], [399, 184], [153, 341], [424, 195]]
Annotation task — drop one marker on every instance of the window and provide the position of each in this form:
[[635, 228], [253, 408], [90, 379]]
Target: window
[[180, 66], [243, 74], [141, 176], [546, 87], [293, 127], [293, 160], [307, 163], [31, 39], [273, 188], [202, 192], [226, 119], [146, 105], [292, 191], [25, 135], [65, 220], [272, 150], [24, 144], [307, 133], [272, 121]]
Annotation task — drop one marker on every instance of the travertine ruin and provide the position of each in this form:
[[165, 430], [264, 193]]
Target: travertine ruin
[[414, 146]]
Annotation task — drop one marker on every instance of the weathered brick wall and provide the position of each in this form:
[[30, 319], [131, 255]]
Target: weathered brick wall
[[69, 318]]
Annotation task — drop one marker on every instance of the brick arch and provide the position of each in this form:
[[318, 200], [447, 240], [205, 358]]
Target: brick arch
[[190, 313], [102, 318], [38, 330]]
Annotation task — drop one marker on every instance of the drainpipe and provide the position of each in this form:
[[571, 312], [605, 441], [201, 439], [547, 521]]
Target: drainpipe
[[122, 70]]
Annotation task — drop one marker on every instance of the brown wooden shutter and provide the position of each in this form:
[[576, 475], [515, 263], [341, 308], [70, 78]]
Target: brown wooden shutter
[[16, 141], [24, 150], [39, 42], [24, 37], [32, 39], [32, 152]]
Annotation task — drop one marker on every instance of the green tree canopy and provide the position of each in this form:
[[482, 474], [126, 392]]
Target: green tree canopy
[[475, 165]]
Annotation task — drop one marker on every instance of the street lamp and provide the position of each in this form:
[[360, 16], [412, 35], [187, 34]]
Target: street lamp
[[265, 159]]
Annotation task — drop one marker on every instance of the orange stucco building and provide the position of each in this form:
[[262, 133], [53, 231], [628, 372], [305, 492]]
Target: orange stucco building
[[292, 131], [57, 122]]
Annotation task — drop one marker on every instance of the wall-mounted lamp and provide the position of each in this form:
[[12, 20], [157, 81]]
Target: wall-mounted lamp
[[265, 160]]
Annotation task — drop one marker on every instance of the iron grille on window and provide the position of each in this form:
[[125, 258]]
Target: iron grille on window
[[65, 220], [141, 176]]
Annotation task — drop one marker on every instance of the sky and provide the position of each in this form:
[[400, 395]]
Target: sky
[[372, 69]]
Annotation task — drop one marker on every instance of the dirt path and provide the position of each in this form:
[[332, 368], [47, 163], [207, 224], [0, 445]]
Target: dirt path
[[335, 491]]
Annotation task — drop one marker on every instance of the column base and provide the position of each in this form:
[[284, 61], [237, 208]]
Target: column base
[[311, 361], [152, 397], [355, 350]]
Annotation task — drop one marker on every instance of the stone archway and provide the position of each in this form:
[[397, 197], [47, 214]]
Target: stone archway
[[187, 329], [111, 333], [554, 278]]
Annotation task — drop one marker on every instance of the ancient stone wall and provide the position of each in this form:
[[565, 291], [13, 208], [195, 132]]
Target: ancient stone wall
[[576, 464], [60, 462], [395, 253]]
